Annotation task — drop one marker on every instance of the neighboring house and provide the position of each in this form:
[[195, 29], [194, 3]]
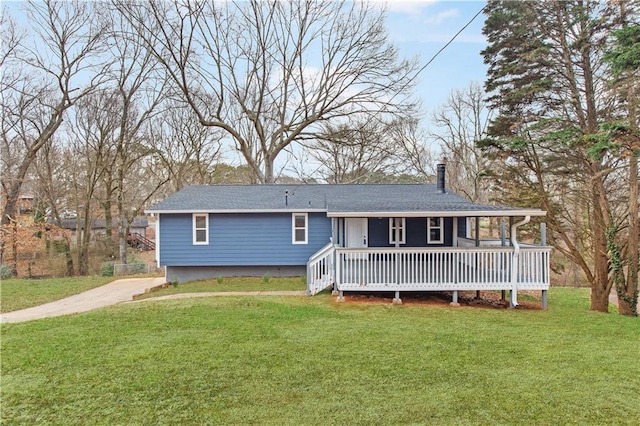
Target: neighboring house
[[99, 226], [137, 238], [398, 237]]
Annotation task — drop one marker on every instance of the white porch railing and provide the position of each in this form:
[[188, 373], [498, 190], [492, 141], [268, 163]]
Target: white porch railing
[[320, 270], [442, 269]]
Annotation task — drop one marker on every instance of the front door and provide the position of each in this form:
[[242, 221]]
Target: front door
[[357, 235]]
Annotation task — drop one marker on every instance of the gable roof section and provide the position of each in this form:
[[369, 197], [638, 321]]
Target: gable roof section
[[340, 200]]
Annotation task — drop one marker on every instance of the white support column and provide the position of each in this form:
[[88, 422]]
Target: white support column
[[454, 232], [454, 299], [397, 300], [337, 268], [513, 300], [543, 243]]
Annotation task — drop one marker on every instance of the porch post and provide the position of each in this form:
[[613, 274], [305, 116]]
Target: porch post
[[543, 243], [503, 242], [477, 245], [397, 300], [515, 258], [454, 237], [510, 228], [337, 262], [334, 229], [454, 299]]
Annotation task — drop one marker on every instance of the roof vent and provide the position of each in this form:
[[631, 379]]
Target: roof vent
[[440, 171]]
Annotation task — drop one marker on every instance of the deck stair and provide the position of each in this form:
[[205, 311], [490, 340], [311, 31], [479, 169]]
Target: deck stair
[[320, 270], [140, 242]]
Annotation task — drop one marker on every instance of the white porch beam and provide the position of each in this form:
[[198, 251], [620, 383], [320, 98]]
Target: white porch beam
[[442, 213]]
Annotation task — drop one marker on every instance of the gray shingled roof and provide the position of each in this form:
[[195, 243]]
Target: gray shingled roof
[[339, 198]]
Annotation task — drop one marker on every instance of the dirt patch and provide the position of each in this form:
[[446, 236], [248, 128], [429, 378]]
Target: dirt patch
[[488, 299]]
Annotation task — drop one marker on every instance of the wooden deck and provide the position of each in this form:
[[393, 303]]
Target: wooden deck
[[441, 269]]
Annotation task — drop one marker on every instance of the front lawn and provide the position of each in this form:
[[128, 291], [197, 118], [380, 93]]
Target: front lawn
[[24, 293], [310, 360], [233, 284]]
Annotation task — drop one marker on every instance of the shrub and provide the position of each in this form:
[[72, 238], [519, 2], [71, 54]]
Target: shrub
[[266, 278], [5, 272], [219, 279], [106, 270], [137, 267]]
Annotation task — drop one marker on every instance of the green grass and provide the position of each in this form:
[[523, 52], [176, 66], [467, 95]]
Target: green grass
[[18, 294], [233, 284], [300, 360]]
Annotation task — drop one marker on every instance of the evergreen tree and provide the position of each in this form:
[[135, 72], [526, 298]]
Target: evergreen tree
[[549, 85]]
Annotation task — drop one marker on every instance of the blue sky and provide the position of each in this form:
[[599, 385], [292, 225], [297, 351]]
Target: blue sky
[[422, 27]]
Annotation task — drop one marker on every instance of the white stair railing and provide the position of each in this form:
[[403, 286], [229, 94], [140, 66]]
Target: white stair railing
[[320, 269]]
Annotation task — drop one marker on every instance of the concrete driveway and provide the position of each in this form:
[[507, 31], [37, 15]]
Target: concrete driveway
[[99, 297]]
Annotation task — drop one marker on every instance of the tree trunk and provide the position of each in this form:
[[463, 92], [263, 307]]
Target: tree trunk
[[108, 216], [268, 170], [14, 247], [9, 210], [83, 247], [600, 286], [599, 299], [69, 258], [628, 296]]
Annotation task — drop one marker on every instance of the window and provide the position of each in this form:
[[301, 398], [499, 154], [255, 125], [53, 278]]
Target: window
[[435, 230], [397, 227], [200, 229], [299, 228]]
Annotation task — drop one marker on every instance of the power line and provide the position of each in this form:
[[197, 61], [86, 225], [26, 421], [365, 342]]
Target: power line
[[416, 74], [446, 45]]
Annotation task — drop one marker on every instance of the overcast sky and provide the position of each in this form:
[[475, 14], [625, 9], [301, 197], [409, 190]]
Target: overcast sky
[[422, 27]]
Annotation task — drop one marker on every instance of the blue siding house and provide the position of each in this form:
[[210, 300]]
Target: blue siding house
[[396, 237]]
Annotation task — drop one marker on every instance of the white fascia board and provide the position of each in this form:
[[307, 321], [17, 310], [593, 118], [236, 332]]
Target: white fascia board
[[471, 213], [192, 211]]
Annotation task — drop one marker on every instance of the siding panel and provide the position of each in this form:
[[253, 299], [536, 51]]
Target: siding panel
[[240, 239]]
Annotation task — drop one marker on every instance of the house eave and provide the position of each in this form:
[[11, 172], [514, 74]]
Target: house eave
[[443, 213], [236, 211], [436, 213]]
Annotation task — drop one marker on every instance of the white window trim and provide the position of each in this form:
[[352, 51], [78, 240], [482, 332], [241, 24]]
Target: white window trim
[[293, 228], [392, 230], [441, 228], [206, 228]]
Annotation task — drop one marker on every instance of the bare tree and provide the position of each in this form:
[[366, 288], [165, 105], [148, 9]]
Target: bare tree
[[270, 73], [461, 122], [43, 76], [415, 146], [139, 90], [188, 151], [91, 134], [57, 171], [360, 152]]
